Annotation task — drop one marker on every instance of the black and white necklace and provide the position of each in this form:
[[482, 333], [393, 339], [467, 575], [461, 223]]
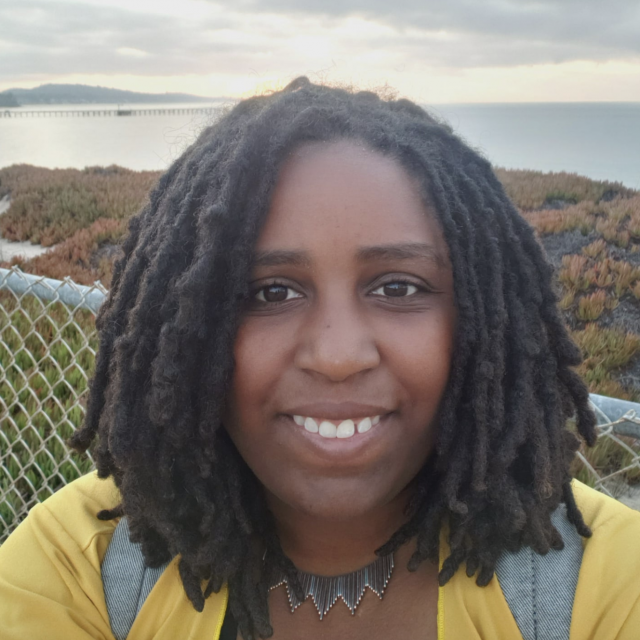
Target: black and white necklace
[[325, 590]]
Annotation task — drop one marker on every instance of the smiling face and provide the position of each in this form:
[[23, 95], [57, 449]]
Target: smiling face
[[344, 353]]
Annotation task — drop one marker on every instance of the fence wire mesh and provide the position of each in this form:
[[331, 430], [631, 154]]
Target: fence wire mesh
[[613, 465], [48, 344]]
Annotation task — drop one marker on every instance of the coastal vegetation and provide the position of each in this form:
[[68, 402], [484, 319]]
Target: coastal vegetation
[[590, 231], [50, 205]]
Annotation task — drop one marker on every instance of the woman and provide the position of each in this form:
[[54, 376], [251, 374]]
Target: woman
[[331, 356]]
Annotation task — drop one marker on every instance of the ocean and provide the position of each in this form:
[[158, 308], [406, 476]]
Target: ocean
[[598, 140]]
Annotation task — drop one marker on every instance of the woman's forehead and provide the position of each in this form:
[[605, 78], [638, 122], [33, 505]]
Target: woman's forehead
[[350, 196]]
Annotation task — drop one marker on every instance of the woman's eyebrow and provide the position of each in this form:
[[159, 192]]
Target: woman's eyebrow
[[403, 251], [280, 257], [385, 252]]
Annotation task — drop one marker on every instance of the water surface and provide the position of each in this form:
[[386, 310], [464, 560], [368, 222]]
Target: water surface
[[598, 140]]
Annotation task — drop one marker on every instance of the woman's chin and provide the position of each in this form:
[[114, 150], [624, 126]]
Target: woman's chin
[[339, 499]]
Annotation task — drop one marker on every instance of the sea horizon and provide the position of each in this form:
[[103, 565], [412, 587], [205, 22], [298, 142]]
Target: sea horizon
[[600, 140]]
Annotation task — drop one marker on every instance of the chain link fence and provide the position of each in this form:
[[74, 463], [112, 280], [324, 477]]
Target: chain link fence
[[48, 345], [613, 466]]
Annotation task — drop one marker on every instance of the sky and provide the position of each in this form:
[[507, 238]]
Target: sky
[[432, 51]]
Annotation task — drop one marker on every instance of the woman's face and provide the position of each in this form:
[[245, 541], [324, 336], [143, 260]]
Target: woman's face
[[343, 356]]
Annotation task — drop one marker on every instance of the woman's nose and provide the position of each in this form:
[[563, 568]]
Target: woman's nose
[[337, 342]]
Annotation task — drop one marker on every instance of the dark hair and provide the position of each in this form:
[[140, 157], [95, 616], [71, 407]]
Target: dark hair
[[167, 331]]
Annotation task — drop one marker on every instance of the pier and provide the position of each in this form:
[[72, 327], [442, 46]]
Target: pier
[[93, 113]]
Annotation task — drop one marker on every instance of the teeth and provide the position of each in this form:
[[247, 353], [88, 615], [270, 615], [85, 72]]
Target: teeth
[[364, 425], [311, 425], [328, 429], [346, 429]]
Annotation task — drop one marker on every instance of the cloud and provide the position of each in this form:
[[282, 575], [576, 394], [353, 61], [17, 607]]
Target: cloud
[[130, 52], [65, 38], [282, 38], [570, 29]]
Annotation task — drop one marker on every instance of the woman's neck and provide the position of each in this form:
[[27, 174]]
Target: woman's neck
[[328, 546]]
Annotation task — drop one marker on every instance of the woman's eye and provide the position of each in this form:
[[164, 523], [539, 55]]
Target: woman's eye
[[396, 290], [275, 293]]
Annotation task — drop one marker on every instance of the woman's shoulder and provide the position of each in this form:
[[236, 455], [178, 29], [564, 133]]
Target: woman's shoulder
[[86, 494], [69, 516], [51, 564], [607, 600], [604, 515], [72, 511]]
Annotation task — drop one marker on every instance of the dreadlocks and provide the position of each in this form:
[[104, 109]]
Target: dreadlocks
[[166, 355]]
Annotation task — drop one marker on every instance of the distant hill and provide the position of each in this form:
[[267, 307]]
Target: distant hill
[[7, 99], [84, 94]]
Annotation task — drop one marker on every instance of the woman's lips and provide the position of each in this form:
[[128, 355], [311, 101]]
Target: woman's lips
[[340, 420], [354, 451], [346, 428]]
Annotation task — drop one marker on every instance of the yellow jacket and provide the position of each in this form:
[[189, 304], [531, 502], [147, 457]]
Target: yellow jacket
[[51, 587]]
